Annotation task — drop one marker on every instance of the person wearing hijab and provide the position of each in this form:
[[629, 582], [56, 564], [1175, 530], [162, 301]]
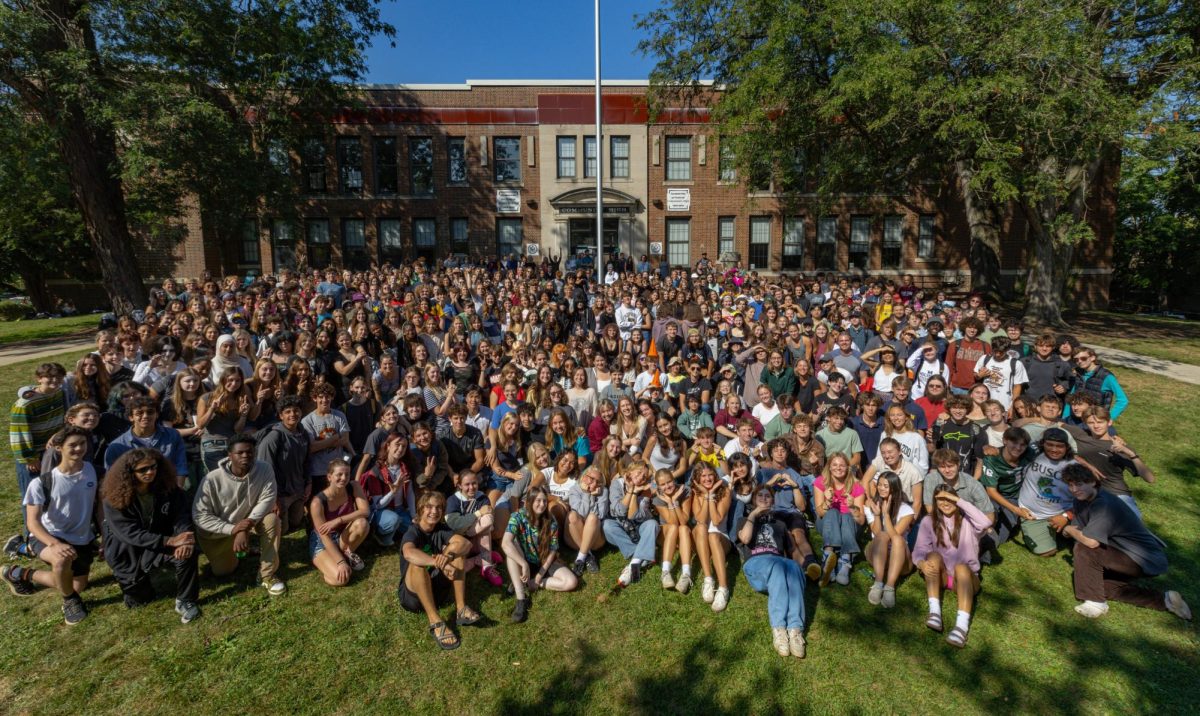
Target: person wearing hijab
[[227, 357]]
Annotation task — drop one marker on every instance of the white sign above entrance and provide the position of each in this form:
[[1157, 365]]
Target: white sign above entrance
[[679, 199], [508, 201]]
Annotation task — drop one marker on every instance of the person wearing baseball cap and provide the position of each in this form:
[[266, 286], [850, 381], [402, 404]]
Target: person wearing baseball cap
[[1044, 498]]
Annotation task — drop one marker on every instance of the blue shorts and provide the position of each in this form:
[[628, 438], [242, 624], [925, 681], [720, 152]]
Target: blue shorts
[[316, 545], [496, 482]]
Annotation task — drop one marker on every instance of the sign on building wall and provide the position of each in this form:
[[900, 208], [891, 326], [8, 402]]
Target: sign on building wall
[[533, 250], [508, 201], [679, 199], [656, 248]]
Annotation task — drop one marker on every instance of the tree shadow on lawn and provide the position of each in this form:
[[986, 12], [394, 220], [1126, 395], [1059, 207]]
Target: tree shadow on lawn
[[567, 690]]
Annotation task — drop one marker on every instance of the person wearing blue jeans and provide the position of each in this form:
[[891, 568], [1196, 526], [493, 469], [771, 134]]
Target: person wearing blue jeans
[[768, 569], [631, 513]]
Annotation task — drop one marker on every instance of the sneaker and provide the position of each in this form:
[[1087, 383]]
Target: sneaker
[[668, 581], [593, 565], [721, 600], [1092, 610], [708, 590], [779, 638], [827, 570], [492, 576], [74, 610], [684, 583], [521, 611], [812, 568], [843, 574], [187, 611], [875, 594], [626, 577], [15, 546], [1178, 607], [579, 566], [889, 597], [356, 562], [796, 643], [274, 586], [14, 576]]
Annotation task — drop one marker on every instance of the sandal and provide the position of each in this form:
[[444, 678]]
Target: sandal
[[957, 637], [934, 622], [467, 616], [445, 638]]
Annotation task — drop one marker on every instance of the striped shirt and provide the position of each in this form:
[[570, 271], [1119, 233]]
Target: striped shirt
[[34, 419]]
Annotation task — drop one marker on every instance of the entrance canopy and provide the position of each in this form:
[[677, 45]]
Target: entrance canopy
[[582, 202]]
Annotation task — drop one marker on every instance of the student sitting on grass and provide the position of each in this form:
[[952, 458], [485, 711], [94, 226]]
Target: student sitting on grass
[[889, 516], [432, 560], [469, 513], [59, 514], [947, 553], [673, 503], [838, 499], [148, 525], [339, 514], [631, 525], [712, 509], [769, 569], [588, 500], [530, 542]]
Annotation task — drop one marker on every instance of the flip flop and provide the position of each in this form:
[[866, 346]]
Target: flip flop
[[448, 641]]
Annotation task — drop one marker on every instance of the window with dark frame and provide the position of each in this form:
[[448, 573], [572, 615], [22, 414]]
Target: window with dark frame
[[313, 158], [510, 238], [277, 155], [283, 244], [566, 157], [387, 174], [249, 253], [679, 158], [793, 243], [860, 242], [317, 244], [679, 242], [826, 258], [760, 242], [420, 165], [925, 236], [354, 245], [460, 234], [589, 157], [619, 157], [456, 158], [390, 246], [349, 157], [890, 255], [506, 157], [425, 238], [725, 235]]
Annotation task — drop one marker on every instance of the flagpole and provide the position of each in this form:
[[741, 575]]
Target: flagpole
[[599, 164]]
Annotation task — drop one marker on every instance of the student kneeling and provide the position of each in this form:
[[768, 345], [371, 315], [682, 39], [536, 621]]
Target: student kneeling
[[148, 525]]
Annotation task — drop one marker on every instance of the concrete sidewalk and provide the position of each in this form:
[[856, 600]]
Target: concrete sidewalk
[[1166, 368], [20, 352]]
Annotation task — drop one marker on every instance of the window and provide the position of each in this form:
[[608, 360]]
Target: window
[[725, 244], [506, 156], [793, 243], [760, 241], [456, 157], [318, 243], [349, 156], [893, 242], [425, 238], [582, 235], [249, 252], [387, 176], [390, 248], [860, 242], [619, 157], [827, 243], [725, 163], [679, 158], [679, 242], [589, 157], [420, 165], [459, 234], [509, 238], [566, 157], [354, 244], [925, 237], [313, 156], [277, 155], [283, 245]]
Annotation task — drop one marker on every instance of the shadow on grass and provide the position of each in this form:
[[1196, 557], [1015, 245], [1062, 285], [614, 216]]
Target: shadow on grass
[[566, 691]]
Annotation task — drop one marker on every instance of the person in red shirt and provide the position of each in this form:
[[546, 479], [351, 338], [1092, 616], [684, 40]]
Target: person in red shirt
[[963, 354]]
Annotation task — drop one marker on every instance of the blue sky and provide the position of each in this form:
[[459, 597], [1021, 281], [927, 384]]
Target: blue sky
[[452, 41]]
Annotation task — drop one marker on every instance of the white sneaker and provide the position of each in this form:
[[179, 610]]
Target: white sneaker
[[274, 586], [684, 584], [708, 590], [1092, 610], [796, 643], [626, 575], [1178, 607], [668, 581], [875, 594], [843, 574], [721, 600], [779, 638]]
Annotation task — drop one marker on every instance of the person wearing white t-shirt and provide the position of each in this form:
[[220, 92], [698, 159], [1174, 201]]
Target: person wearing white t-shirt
[[745, 443], [1004, 375], [767, 409], [925, 364], [891, 459], [890, 518]]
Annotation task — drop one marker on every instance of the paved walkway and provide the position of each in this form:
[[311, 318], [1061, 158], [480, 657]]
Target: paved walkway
[[19, 352], [1166, 368]]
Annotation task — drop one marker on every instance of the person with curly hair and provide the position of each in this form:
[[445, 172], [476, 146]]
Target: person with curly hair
[[147, 526]]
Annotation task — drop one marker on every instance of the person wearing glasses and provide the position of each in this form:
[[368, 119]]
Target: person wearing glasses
[[1098, 382], [145, 432]]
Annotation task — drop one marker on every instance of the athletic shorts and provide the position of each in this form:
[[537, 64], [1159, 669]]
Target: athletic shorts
[[1039, 536], [84, 555], [410, 602]]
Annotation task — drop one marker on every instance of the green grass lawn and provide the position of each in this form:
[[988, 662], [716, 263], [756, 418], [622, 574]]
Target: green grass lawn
[[1165, 338], [321, 650], [21, 331]]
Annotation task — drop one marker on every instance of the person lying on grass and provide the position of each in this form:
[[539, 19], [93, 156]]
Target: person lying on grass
[[769, 569]]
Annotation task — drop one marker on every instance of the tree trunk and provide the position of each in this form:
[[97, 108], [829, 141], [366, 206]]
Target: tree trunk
[[1056, 225], [35, 287], [1045, 281], [89, 150], [983, 218]]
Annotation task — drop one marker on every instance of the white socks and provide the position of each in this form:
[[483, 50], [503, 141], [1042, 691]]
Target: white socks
[[963, 621], [935, 606], [666, 566], [687, 569], [878, 585]]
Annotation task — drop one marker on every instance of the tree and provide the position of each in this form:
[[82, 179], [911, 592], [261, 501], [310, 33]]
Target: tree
[[1021, 103], [149, 101]]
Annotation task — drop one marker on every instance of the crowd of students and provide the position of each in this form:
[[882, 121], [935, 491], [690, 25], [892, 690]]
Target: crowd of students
[[516, 420]]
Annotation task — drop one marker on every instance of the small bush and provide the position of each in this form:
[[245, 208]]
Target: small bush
[[13, 311]]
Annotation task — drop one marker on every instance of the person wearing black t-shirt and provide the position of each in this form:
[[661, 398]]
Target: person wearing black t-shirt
[[695, 384], [463, 443], [432, 562], [768, 569], [669, 345]]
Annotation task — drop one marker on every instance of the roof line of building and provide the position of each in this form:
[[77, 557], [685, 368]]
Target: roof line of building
[[469, 84]]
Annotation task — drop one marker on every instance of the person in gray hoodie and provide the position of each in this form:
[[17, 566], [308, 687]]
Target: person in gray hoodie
[[234, 500]]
